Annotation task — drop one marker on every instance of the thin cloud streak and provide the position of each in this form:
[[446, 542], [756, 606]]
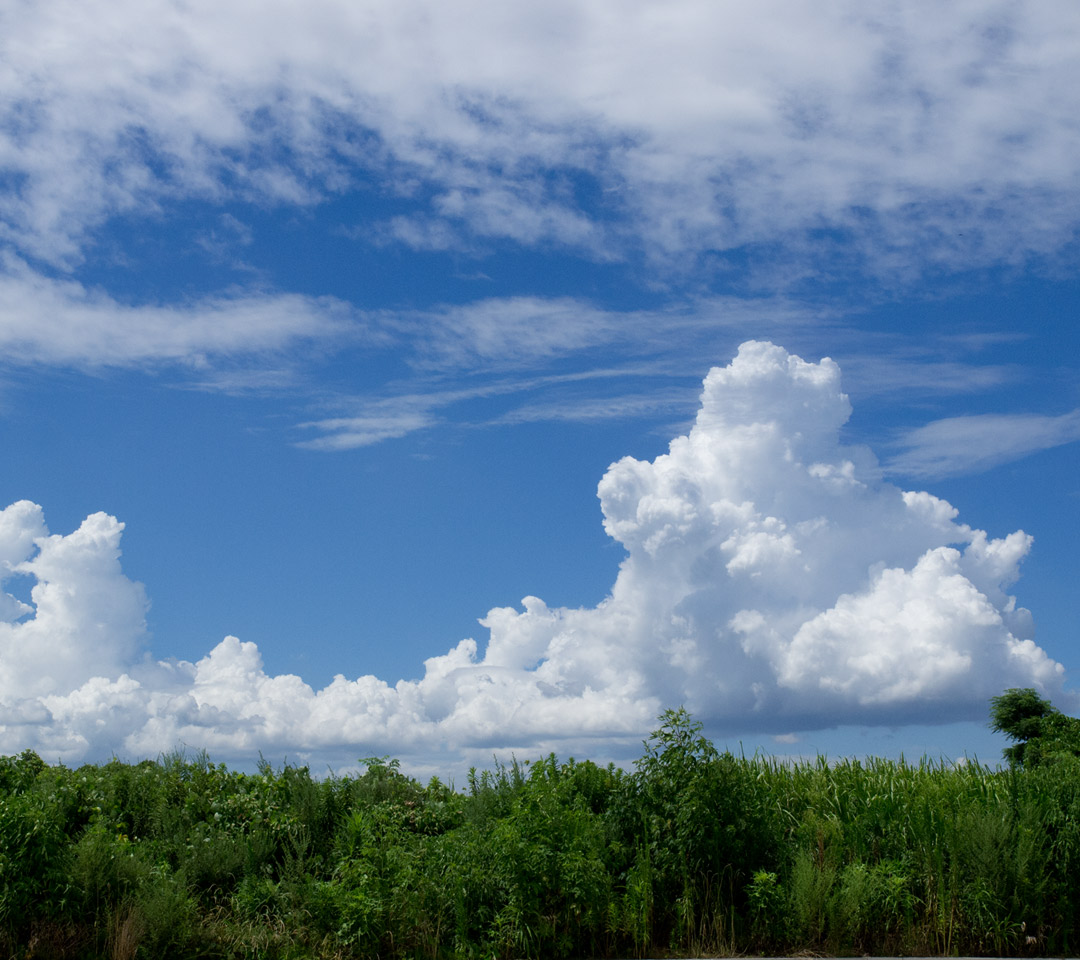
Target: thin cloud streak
[[899, 373], [247, 343], [528, 332], [651, 405], [498, 347], [370, 420], [962, 445], [51, 322]]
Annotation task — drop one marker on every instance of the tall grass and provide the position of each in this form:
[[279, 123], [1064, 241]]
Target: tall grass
[[691, 852]]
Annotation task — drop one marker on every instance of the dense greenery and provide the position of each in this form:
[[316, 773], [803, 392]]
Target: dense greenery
[[693, 852], [1043, 734]]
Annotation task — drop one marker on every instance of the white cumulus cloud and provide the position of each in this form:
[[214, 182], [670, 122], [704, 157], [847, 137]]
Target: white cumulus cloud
[[773, 582]]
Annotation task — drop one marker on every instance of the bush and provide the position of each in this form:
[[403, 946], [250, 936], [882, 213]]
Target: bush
[[34, 861]]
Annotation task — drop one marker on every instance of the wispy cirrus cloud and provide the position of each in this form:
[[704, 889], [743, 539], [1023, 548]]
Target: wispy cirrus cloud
[[51, 321], [385, 419], [366, 420], [568, 359], [532, 332], [960, 445], [662, 402], [238, 341], [928, 374]]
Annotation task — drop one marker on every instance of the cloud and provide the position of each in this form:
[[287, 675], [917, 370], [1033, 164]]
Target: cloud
[[670, 402], [940, 135], [527, 348], [894, 373], [87, 616], [526, 332], [60, 322], [508, 332], [773, 582], [371, 420], [251, 341], [389, 422], [959, 445]]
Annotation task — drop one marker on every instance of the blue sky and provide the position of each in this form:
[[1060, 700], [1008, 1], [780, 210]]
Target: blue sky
[[345, 312]]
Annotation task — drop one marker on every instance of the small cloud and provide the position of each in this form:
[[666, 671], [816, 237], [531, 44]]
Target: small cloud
[[221, 241], [963, 445], [348, 433], [658, 403], [893, 375], [60, 322], [418, 233]]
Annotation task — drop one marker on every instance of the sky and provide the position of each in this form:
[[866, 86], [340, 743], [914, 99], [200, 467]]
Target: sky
[[459, 381]]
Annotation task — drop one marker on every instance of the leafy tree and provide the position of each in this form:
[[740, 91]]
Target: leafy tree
[[1041, 731]]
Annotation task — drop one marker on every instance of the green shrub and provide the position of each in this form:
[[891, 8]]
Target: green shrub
[[34, 861], [765, 907]]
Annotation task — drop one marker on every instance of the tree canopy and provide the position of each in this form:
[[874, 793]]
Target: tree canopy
[[1041, 731]]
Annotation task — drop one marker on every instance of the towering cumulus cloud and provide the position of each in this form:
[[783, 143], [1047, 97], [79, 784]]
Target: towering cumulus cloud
[[773, 581]]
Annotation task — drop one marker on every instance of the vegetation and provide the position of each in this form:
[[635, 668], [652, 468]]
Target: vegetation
[[1042, 733], [691, 852]]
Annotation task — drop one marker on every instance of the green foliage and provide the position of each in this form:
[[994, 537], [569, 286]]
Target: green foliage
[[765, 908], [704, 823], [18, 774], [810, 890], [33, 862], [694, 852], [1043, 733]]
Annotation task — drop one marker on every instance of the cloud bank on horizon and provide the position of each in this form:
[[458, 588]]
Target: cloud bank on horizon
[[773, 581]]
